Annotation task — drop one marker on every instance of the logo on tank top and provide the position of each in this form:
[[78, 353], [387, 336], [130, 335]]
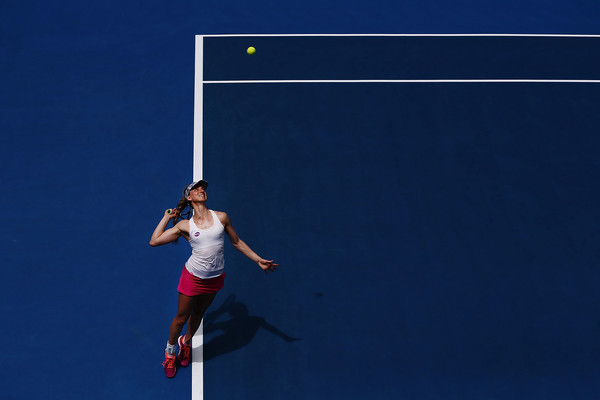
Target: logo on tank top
[[196, 234]]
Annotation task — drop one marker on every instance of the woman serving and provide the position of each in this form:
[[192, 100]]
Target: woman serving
[[203, 275]]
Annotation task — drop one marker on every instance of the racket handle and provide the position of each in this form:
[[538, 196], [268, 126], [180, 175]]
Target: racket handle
[[169, 211]]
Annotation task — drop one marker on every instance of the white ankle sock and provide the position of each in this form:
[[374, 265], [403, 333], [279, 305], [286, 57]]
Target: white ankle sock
[[170, 349]]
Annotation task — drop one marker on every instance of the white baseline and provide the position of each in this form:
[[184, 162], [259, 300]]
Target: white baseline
[[235, 82]]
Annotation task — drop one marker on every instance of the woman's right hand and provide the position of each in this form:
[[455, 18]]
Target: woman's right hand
[[171, 213], [161, 236]]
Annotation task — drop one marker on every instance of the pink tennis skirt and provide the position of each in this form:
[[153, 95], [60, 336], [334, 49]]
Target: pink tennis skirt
[[191, 285]]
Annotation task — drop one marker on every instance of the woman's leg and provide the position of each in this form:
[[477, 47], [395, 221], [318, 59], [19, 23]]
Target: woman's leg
[[185, 306], [200, 305]]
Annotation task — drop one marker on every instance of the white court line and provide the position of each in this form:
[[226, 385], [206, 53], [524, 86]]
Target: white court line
[[198, 104], [198, 339], [553, 35], [407, 81], [197, 342]]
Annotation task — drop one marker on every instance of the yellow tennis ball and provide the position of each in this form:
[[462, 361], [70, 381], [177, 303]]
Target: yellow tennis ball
[[251, 50]]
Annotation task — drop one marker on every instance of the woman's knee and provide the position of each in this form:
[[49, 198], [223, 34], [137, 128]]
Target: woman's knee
[[181, 318]]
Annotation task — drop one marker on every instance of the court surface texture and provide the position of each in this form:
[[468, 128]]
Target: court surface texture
[[432, 201]]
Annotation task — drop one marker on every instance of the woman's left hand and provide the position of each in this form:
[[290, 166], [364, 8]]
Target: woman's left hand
[[267, 265]]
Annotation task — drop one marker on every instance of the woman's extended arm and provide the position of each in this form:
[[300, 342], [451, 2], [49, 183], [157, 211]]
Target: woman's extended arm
[[265, 265]]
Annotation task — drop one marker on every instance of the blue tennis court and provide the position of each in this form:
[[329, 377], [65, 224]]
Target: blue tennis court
[[432, 201], [435, 237]]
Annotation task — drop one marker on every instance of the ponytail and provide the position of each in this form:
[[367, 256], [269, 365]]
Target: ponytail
[[181, 206]]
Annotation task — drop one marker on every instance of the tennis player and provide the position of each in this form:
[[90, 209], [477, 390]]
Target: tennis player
[[203, 274]]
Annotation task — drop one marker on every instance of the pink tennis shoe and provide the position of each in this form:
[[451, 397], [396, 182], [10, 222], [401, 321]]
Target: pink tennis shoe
[[169, 365], [185, 352]]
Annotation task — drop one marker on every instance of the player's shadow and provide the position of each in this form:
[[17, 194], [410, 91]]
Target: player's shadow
[[237, 331]]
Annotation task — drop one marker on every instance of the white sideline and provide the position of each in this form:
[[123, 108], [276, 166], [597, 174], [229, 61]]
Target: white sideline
[[197, 340]]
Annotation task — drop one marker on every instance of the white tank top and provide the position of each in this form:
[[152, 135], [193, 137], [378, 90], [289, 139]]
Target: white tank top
[[207, 259]]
